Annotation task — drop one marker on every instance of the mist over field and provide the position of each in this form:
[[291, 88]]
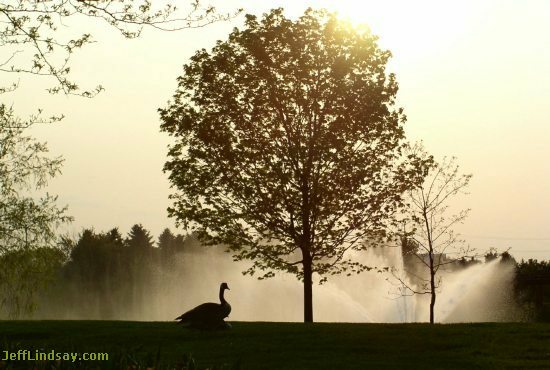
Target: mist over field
[[163, 291]]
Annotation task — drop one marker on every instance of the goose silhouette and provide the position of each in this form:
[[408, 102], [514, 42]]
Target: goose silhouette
[[208, 315]]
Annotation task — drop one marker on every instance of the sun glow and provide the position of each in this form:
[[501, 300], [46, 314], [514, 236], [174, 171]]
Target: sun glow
[[405, 27]]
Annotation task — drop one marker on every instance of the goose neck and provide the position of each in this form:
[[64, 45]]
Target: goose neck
[[222, 299]]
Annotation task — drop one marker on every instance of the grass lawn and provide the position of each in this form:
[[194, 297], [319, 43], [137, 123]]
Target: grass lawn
[[258, 345]]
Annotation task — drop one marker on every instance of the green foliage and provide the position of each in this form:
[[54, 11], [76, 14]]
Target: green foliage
[[288, 144], [24, 275], [25, 169]]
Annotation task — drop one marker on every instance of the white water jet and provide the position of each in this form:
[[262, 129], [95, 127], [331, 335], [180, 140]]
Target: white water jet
[[480, 293], [460, 284]]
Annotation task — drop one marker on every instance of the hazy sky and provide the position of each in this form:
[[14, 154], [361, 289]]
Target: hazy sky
[[474, 81]]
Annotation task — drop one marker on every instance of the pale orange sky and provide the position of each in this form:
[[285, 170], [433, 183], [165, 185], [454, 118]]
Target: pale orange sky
[[474, 81]]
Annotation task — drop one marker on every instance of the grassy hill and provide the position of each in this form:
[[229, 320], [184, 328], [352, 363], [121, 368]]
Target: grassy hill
[[258, 345]]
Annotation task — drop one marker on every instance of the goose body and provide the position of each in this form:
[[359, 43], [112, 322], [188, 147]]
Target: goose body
[[208, 315]]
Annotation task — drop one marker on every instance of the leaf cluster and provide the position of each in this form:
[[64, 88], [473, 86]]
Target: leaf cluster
[[32, 32], [25, 220]]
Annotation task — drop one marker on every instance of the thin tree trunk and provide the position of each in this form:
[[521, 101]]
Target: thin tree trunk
[[432, 283], [433, 296], [432, 269]]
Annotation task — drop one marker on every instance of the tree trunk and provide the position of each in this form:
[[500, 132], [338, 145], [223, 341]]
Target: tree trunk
[[305, 247], [432, 267], [433, 295], [308, 291]]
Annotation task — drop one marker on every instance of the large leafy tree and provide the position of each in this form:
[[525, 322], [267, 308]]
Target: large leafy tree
[[288, 145]]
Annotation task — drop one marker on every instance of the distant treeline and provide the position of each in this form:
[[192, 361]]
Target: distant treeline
[[108, 276], [104, 275], [531, 285], [532, 288]]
